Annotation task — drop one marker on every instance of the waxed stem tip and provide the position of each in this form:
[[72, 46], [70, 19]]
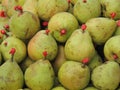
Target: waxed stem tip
[[18, 8], [2, 14]]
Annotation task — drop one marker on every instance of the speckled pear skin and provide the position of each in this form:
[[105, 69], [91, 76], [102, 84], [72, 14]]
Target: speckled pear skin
[[84, 11], [79, 46], [74, 75], [59, 59], [101, 29], [46, 11], [40, 75], [25, 25], [112, 47], [91, 88], [109, 7], [62, 21], [40, 43], [106, 76], [11, 76], [31, 6], [95, 61], [10, 4], [58, 88], [8, 43]]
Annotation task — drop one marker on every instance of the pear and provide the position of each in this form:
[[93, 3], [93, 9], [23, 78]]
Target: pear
[[101, 29], [61, 26], [106, 76], [112, 48], [95, 61], [86, 9], [46, 11], [110, 8], [39, 75], [74, 75], [91, 88], [60, 58], [79, 46], [24, 24], [21, 50], [31, 6], [58, 88], [10, 4], [11, 76], [26, 63], [42, 45]]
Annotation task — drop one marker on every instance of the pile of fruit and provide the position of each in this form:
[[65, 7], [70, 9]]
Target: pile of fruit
[[59, 44]]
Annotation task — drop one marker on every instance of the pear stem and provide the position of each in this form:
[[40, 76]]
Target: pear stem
[[12, 52], [12, 56]]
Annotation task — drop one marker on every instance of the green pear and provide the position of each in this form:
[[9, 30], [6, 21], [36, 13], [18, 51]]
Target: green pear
[[10, 4], [31, 6], [101, 29], [84, 11], [74, 75], [112, 48], [42, 45], [60, 58], [39, 75], [79, 46], [26, 63], [11, 76], [21, 50], [106, 76], [58, 88], [24, 25], [46, 11], [95, 61], [110, 7], [91, 88], [61, 26]]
